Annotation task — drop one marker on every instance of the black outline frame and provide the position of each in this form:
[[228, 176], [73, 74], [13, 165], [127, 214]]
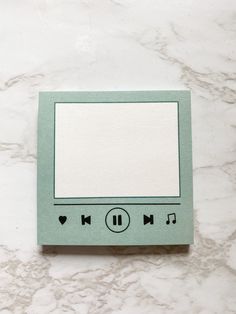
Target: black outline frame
[[113, 197]]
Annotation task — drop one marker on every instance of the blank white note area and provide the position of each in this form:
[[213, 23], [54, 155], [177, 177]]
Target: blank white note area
[[116, 149]]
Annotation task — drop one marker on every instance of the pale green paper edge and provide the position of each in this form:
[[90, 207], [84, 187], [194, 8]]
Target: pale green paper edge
[[51, 232]]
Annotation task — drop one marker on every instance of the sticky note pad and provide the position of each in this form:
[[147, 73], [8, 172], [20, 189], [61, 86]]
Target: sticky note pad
[[115, 168]]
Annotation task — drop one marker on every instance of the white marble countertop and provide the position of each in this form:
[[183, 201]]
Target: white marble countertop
[[119, 45]]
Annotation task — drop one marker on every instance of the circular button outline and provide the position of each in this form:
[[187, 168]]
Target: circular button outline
[[108, 214]]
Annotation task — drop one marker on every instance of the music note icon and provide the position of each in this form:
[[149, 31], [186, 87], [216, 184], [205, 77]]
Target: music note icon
[[173, 219]]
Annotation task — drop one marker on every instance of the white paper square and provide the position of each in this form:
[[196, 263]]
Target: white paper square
[[116, 149]]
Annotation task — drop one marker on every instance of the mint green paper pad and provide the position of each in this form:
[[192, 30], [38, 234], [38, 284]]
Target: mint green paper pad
[[114, 168]]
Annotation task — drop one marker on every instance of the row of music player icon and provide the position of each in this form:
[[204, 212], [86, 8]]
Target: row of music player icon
[[118, 219]]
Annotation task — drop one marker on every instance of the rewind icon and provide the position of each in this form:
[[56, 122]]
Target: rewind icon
[[85, 220]]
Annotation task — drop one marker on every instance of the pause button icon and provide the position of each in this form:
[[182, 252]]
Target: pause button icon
[[117, 220]]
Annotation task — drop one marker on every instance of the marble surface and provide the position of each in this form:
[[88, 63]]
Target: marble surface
[[119, 45]]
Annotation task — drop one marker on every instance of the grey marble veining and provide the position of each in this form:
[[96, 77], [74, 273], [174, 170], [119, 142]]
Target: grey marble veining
[[119, 45]]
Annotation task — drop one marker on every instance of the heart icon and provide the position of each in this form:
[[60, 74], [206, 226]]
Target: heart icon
[[62, 219]]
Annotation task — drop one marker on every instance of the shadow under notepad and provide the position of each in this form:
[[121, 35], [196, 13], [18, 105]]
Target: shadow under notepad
[[114, 250]]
